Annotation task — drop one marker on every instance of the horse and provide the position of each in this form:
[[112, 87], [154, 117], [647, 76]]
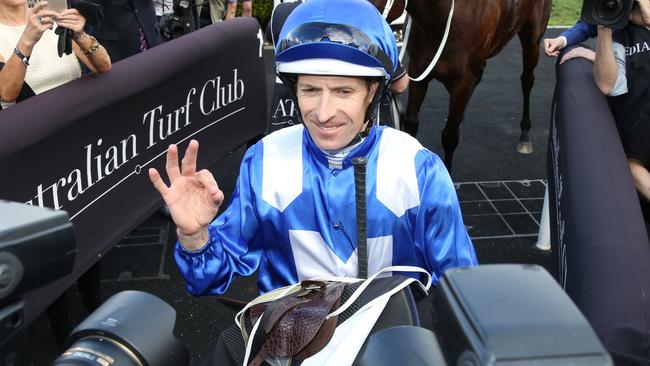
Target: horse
[[478, 31]]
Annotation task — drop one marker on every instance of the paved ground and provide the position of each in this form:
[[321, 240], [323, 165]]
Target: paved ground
[[500, 193]]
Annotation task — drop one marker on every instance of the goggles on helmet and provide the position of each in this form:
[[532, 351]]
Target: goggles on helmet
[[305, 46]]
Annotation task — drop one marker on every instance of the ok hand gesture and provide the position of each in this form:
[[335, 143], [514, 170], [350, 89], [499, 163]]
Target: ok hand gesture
[[193, 197]]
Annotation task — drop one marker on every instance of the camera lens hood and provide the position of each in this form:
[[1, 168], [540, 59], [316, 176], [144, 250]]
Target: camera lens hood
[[609, 13], [130, 325]]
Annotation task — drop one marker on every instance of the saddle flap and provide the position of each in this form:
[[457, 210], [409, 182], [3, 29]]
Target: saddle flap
[[312, 338], [284, 305], [296, 325]]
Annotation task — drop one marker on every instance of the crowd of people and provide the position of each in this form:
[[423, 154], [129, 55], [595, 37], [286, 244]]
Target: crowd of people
[[31, 61]]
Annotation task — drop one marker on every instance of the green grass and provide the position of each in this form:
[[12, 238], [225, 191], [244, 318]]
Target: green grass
[[262, 10], [565, 12]]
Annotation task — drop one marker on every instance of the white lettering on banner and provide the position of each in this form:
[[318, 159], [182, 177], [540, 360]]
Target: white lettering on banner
[[171, 124], [102, 159], [260, 37], [560, 223], [285, 108], [285, 113], [98, 165], [637, 48], [220, 95]]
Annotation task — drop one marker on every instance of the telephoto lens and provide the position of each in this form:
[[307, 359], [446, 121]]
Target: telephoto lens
[[131, 328], [608, 13], [609, 9]]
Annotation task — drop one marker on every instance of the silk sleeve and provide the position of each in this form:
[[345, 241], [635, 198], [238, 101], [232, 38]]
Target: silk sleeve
[[234, 246], [439, 225]]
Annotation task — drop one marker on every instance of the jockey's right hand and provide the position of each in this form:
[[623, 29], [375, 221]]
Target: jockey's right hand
[[193, 197]]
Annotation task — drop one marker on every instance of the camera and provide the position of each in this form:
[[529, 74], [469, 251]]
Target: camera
[[173, 26], [37, 247], [609, 13], [182, 21], [132, 328]]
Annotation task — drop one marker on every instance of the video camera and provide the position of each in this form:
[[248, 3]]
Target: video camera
[[609, 13], [37, 247]]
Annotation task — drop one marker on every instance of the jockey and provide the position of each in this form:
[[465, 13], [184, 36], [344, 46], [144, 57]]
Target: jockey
[[282, 111], [292, 216]]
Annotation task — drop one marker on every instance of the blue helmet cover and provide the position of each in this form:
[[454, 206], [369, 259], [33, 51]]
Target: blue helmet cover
[[358, 15]]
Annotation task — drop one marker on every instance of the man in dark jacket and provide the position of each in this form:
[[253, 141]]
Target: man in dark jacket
[[129, 27]]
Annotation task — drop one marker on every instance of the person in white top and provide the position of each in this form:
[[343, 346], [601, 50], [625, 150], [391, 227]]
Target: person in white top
[[28, 49]]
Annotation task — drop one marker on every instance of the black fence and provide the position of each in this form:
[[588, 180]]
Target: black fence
[[599, 238]]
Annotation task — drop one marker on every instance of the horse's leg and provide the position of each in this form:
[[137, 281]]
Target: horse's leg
[[460, 91], [420, 54], [417, 92], [530, 54]]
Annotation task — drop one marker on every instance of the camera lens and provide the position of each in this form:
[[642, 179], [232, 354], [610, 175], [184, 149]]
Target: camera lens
[[609, 13], [609, 9], [97, 350], [131, 328]]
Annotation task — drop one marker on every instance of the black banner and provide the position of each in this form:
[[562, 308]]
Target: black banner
[[599, 239], [283, 109], [86, 146]]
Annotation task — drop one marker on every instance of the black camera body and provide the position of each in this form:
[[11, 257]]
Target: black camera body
[[609, 13], [509, 314], [37, 247]]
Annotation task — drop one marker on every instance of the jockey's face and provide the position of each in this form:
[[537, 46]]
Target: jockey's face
[[334, 107]]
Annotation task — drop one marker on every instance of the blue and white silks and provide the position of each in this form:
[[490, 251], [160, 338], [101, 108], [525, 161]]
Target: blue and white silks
[[293, 217]]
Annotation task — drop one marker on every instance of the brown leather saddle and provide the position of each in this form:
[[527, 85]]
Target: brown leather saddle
[[296, 326]]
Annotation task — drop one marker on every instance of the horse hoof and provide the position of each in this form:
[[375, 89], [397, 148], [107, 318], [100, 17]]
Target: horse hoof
[[525, 147]]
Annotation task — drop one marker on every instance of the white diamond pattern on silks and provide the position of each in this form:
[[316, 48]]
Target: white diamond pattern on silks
[[314, 258], [282, 168], [397, 182]]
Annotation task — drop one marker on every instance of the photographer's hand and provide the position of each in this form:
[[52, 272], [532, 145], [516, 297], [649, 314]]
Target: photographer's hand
[[644, 13], [193, 197], [553, 46]]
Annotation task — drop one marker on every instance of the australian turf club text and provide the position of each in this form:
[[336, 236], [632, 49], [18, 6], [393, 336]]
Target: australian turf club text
[[100, 159]]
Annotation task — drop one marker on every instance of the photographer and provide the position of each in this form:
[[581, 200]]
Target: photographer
[[580, 32], [28, 50], [622, 71]]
